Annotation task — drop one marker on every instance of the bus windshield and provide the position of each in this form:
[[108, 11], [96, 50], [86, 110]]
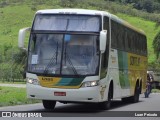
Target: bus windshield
[[63, 54], [62, 22]]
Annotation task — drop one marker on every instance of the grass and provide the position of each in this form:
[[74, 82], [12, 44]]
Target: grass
[[11, 82], [15, 17], [155, 91], [148, 27], [14, 96]]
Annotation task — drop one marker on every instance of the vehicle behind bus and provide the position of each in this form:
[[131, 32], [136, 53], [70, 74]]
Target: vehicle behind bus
[[154, 79]]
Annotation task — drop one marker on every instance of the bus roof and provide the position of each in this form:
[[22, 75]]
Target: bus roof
[[72, 11], [90, 12]]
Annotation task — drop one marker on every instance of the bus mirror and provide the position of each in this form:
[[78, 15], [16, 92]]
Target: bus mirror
[[21, 37], [103, 40]]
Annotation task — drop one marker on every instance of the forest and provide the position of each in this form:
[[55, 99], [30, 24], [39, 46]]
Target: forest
[[150, 6], [17, 14]]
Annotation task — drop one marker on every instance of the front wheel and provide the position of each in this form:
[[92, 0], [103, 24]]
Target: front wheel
[[107, 104], [49, 104]]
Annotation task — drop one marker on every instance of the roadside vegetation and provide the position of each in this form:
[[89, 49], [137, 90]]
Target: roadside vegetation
[[16, 14], [11, 82], [11, 96], [155, 91]]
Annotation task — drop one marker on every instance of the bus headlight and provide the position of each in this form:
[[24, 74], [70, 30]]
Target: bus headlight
[[33, 81], [90, 83]]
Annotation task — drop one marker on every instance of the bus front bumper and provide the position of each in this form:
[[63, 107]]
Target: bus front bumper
[[87, 94]]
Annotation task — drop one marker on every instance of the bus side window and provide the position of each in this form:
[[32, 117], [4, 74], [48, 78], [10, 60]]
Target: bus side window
[[145, 45], [133, 42], [129, 40], [125, 39], [137, 43], [121, 37], [113, 34], [142, 44]]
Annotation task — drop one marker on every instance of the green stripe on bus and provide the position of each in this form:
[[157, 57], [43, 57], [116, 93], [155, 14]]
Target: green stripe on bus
[[70, 82], [123, 69]]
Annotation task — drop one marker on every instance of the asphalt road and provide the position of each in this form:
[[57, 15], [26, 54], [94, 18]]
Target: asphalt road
[[147, 105]]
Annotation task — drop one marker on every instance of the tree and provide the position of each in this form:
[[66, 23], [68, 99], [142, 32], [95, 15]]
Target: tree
[[157, 24], [148, 6], [156, 45]]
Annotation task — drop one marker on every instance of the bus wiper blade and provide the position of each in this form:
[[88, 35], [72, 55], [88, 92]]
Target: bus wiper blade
[[53, 60], [72, 66]]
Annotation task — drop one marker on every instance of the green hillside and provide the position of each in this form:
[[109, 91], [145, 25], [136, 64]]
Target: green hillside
[[17, 14], [148, 27], [12, 18]]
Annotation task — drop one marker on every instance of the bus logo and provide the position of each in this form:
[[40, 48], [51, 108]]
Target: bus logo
[[47, 79]]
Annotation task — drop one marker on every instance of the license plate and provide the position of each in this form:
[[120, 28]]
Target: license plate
[[59, 93]]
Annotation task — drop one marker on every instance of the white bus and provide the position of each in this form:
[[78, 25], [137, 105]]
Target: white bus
[[86, 56]]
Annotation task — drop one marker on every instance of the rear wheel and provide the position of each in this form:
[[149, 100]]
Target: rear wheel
[[49, 104], [140, 87], [135, 98]]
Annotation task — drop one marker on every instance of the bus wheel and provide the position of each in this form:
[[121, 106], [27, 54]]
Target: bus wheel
[[107, 104], [49, 104], [135, 98]]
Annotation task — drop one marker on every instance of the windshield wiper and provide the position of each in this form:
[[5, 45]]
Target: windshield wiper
[[72, 66], [70, 62], [53, 60]]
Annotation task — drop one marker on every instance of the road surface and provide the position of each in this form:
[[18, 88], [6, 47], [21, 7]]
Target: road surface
[[151, 104]]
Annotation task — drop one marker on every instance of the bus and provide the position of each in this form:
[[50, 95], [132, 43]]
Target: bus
[[84, 56]]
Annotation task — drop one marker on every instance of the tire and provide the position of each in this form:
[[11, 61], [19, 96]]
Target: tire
[[48, 104], [140, 88], [107, 104], [135, 98]]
